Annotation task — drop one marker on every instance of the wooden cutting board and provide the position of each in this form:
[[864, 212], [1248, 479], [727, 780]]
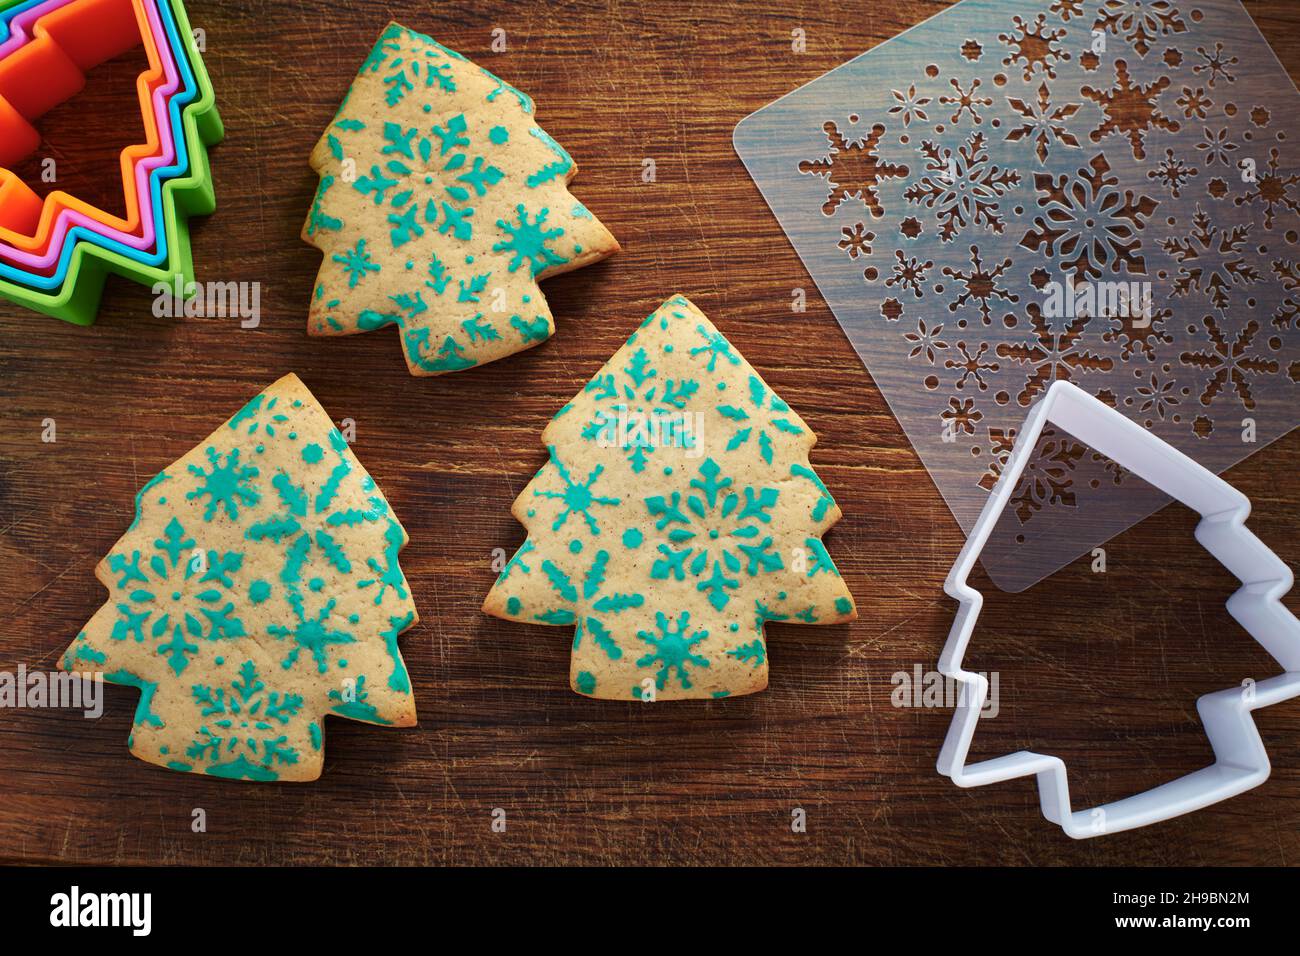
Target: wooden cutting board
[[1101, 669]]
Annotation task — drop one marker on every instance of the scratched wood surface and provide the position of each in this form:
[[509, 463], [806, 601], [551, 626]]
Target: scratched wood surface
[[1101, 669]]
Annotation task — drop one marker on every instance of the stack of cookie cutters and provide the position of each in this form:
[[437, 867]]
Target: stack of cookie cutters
[[56, 252], [1240, 759]]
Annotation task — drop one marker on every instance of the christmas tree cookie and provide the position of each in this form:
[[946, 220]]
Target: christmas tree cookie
[[257, 591], [677, 515], [441, 206]]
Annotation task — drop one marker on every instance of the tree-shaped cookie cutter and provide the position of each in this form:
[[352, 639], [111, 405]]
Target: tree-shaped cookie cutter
[[178, 191], [1240, 760], [45, 247]]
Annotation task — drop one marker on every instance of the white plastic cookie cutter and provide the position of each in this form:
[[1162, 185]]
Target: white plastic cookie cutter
[[1240, 760]]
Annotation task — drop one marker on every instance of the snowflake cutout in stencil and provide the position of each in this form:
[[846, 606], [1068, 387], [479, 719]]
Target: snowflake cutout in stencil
[[1034, 47], [669, 591], [436, 185], [853, 170], [1230, 362], [961, 416], [1273, 190], [1194, 103], [1217, 147], [856, 240], [1088, 222], [1215, 64], [925, 341], [962, 187], [981, 284], [909, 272], [1139, 334], [1211, 260], [1052, 356], [1130, 110], [1042, 123], [239, 624], [1065, 9], [910, 106], [966, 101], [1139, 21], [1172, 173], [971, 366], [1048, 480]]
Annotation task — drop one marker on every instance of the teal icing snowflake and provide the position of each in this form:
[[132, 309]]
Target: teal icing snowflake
[[356, 263], [527, 242], [754, 653], [585, 604], [407, 69], [352, 702], [226, 485], [157, 596], [639, 412], [715, 347], [765, 415], [311, 633], [417, 199], [672, 650], [717, 526], [577, 498], [240, 738]]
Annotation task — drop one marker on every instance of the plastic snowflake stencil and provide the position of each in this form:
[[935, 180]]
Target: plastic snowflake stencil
[[257, 591], [1016, 193]]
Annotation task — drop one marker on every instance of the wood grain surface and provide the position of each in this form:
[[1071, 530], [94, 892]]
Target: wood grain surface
[[1100, 669]]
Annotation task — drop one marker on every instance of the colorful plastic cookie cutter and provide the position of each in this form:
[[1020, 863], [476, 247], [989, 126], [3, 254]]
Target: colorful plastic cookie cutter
[[41, 264], [1241, 761], [69, 38], [188, 193], [101, 234]]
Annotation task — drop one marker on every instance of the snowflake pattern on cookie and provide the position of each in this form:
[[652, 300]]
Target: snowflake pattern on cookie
[[441, 206], [257, 590], [678, 513]]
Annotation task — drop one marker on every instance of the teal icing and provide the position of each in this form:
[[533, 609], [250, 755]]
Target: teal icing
[[152, 483], [560, 166], [173, 601], [536, 330], [821, 559], [357, 708], [671, 650], [577, 498], [754, 653], [144, 715], [719, 510], [529, 242], [226, 486], [399, 680]]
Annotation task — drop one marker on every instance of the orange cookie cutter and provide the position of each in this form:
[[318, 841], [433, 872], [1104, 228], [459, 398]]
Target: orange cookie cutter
[[49, 70]]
